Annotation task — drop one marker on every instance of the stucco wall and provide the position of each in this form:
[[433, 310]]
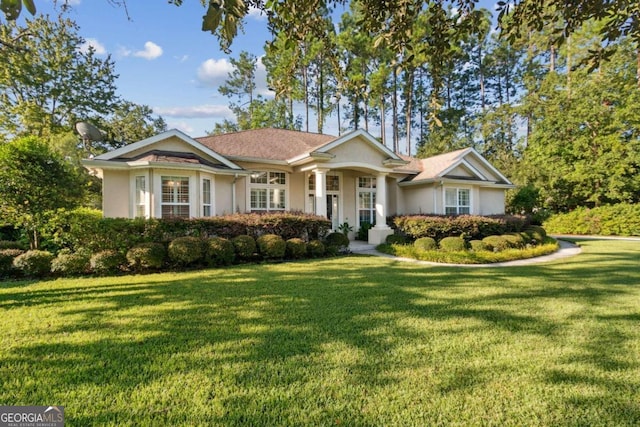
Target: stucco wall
[[492, 201], [418, 200], [115, 194], [358, 151], [223, 194]]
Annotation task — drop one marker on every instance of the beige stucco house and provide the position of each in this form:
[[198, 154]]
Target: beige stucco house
[[352, 178]]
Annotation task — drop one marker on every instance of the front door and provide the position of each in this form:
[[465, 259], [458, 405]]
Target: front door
[[333, 211]]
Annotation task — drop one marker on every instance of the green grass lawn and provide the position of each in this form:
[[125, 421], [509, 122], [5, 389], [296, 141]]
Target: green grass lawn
[[346, 341]]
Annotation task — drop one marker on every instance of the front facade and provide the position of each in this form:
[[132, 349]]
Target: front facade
[[352, 178]]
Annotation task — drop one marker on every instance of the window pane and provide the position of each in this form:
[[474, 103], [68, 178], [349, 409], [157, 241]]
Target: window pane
[[464, 210], [259, 178], [278, 178], [206, 191], [364, 200], [450, 210], [258, 198], [312, 182], [206, 211], [450, 197], [276, 199], [169, 211], [463, 197], [333, 183]]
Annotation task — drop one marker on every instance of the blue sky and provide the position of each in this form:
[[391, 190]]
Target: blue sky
[[164, 60]]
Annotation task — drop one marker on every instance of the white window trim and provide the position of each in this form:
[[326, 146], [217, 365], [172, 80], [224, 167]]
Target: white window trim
[[194, 187], [457, 188], [212, 199], [309, 207], [267, 186], [357, 199], [147, 194]]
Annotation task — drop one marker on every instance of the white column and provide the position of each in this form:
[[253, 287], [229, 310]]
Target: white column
[[381, 201], [379, 233], [321, 192]]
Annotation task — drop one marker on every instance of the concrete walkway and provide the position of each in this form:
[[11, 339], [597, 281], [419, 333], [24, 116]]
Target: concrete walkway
[[566, 250]]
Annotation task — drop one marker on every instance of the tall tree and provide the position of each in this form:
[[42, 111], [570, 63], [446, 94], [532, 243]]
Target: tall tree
[[47, 82], [240, 87]]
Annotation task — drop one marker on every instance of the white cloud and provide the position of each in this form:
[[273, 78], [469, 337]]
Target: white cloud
[[182, 58], [256, 14], [151, 51], [213, 72], [195, 111], [95, 44], [181, 125]]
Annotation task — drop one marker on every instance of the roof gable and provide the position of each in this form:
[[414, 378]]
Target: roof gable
[[137, 148], [364, 136]]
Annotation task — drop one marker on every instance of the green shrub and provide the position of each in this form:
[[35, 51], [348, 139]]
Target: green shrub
[[425, 244], [6, 260], [271, 246], [478, 245], [245, 246], [315, 248], [363, 231], [107, 262], [453, 244], [536, 233], [515, 240], [70, 264], [622, 219], [496, 243], [471, 226], [146, 256], [296, 248], [220, 251], [34, 263], [396, 239], [336, 240], [186, 250], [10, 244]]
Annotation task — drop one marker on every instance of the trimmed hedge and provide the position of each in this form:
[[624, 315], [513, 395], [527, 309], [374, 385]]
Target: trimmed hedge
[[34, 263], [219, 251], [478, 245], [426, 244], [186, 250], [612, 220], [296, 248], [6, 260], [107, 262], [315, 248], [85, 228], [70, 264], [147, 256], [336, 240], [453, 244], [271, 246], [496, 243], [245, 246], [468, 226]]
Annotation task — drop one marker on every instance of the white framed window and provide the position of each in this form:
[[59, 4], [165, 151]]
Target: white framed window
[[457, 201], [206, 197], [366, 201], [332, 186], [268, 191], [141, 204], [175, 197]]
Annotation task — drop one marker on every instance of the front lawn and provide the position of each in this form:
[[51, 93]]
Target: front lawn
[[344, 341]]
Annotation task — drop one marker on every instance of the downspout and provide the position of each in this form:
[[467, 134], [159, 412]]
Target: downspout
[[233, 193]]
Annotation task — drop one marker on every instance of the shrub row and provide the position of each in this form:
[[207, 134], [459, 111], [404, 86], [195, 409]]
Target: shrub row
[[532, 236], [86, 228], [613, 220], [181, 252], [467, 226]]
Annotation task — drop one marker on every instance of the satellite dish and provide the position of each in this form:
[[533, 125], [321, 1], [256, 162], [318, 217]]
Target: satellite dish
[[89, 132]]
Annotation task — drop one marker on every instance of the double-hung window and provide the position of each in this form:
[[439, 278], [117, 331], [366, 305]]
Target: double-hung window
[[206, 197], [457, 201], [141, 197], [366, 201], [268, 191], [175, 196]]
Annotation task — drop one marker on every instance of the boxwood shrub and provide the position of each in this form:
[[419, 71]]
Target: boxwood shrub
[[34, 263], [471, 226], [496, 243], [107, 262], [271, 246], [186, 250], [70, 264], [296, 248], [453, 244], [426, 244], [147, 256], [336, 240], [219, 251], [478, 245], [6, 260], [396, 239], [315, 248], [245, 246]]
